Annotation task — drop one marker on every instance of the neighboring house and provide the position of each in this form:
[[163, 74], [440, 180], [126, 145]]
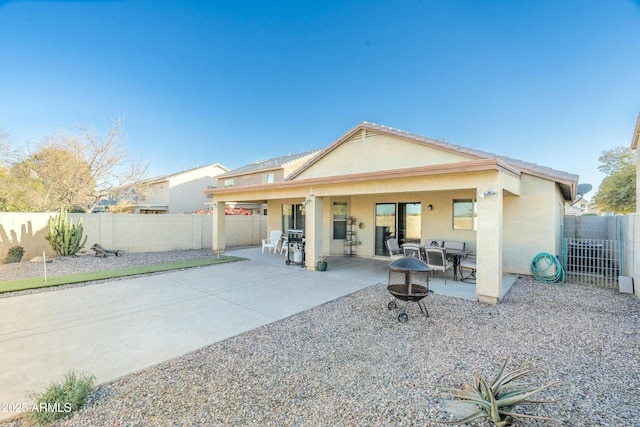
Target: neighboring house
[[584, 205], [395, 183], [181, 192], [572, 210], [262, 172], [634, 146], [579, 207]]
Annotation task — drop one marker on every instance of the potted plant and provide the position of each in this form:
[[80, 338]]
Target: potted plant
[[322, 263]]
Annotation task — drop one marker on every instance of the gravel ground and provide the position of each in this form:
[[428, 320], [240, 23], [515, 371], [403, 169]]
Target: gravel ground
[[351, 363]]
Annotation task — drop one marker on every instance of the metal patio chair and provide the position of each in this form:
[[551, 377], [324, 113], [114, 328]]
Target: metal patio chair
[[412, 250], [394, 249], [468, 263], [436, 258]]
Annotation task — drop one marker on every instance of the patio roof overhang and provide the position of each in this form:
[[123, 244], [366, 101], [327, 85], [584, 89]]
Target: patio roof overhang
[[462, 175]]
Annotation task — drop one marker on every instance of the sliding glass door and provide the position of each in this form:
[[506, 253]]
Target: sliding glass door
[[399, 220], [409, 226], [385, 226], [293, 217]]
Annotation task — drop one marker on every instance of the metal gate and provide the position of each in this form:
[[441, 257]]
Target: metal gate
[[592, 261]]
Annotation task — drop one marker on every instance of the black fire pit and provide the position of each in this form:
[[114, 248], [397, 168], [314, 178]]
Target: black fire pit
[[408, 281]]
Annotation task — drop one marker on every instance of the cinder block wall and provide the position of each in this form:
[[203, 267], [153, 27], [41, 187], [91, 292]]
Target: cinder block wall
[[244, 230], [134, 233], [569, 226], [26, 230], [611, 228], [592, 227]]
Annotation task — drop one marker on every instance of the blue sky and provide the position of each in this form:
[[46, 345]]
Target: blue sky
[[555, 82]]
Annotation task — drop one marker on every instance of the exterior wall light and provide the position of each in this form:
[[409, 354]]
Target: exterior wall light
[[486, 193], [430, 207]]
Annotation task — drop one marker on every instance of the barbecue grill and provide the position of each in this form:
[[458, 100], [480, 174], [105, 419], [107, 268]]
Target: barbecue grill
[[295, 240], [408, 281]]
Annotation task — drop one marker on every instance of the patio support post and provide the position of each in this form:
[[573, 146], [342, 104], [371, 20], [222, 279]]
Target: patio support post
[[313, 231], [219, 227], [489, 247]]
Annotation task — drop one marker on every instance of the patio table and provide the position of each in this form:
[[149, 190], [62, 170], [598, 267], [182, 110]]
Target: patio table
[[456, 255]]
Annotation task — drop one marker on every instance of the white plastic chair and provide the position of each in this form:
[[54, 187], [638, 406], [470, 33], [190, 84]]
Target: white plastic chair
[[272, 241]]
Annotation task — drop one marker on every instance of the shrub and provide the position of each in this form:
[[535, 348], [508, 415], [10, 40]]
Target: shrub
[[14, 255], [497, 400], [64, 237], [61, 400]]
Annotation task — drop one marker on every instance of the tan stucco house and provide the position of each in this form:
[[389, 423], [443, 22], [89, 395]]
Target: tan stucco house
[[394, 183], [180, 192], [267, 171]]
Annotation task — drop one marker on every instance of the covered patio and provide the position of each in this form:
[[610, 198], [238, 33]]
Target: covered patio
[[422, 208], [376, 270], [376, 183]]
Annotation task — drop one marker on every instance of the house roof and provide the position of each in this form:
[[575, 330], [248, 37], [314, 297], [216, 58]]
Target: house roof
[[566, 181], [161, 178], [439, 169], [636, 134], [268, 164]]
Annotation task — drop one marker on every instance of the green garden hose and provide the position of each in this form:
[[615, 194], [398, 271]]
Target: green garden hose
[[547, 268]]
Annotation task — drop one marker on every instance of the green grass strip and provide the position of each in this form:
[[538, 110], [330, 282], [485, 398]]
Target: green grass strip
[[39, 282]]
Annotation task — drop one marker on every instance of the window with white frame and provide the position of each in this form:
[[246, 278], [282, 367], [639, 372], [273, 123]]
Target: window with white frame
[[340, 220], [465, 214]]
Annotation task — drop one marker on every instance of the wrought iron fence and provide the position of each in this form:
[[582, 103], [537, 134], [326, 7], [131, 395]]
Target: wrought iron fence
[[592, 261]]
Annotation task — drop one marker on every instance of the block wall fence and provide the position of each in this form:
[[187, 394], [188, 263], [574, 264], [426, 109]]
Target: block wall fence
[[157, 233], [625, 228], [133, 233]]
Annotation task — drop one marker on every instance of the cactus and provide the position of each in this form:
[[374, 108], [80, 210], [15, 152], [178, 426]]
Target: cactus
[[64, 237], [14, 255]]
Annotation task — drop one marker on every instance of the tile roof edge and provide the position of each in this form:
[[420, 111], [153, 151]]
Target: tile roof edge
[[530, 166], [255, 166], [165, 177]]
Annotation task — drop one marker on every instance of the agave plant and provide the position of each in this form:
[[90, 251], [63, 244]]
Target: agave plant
[[497, 400], [14, 254]]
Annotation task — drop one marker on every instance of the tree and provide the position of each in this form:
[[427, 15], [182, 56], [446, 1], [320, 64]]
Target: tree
[[617, 192], [74, 172], [7, 154], [20, 194], [116, 175], [55, 178], [7, 151]]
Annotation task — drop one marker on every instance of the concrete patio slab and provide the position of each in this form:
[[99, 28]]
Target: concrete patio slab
[[119, 327]]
